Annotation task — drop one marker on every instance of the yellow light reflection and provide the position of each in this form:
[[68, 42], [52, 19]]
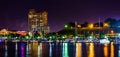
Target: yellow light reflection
[[91, 50], [105, 50], [78, 50], [35, 49], [29, 48], [41, 49], [112, 49]]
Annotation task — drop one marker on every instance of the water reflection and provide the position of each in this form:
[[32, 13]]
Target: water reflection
[[65, 50], [6, 50], [50, 49], [78, 50], [16, 49], [27, 50], [119, 50], [105, 50], [91, 50], [40, 49], [22, 50], [112, 49], [35, 49]]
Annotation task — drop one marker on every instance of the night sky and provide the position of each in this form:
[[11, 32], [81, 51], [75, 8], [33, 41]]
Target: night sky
[[13, 13]]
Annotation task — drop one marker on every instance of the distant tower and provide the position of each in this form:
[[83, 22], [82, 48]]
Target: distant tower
[[38, 21]]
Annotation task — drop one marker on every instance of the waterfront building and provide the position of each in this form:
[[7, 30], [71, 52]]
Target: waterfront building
[[37, 21]]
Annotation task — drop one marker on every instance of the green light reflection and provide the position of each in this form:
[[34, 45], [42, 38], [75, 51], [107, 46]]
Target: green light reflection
[[65, 50]]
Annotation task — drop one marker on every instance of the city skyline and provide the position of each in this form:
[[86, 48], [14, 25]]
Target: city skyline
[[38, 21], [14, 13]]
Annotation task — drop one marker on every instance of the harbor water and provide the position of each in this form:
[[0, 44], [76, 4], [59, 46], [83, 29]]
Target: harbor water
[[46, 49]]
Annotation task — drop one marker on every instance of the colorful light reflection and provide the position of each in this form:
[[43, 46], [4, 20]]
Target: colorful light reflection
[[16, 49], [91, 50], [112, 50], [6, 50], [50, 50], [105, 50], [65, 50], [78, 50], [119, 51], [22, 49], [35, 49]]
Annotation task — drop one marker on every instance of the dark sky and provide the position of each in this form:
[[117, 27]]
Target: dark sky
[[13, 13]]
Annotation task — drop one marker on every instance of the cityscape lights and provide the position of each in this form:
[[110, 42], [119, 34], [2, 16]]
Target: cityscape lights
[[90, 25], [66, 26], [106, 25]]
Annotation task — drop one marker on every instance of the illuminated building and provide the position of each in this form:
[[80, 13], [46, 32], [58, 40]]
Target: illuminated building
[[90, 25], [38, 21], [106, 24]]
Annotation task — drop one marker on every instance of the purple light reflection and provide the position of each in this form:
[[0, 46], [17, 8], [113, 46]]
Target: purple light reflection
[[22, 49]]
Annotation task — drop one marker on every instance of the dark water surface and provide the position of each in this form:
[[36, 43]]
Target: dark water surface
[[34, 49]]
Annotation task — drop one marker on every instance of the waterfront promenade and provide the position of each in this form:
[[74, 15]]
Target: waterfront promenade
[[66, 40]]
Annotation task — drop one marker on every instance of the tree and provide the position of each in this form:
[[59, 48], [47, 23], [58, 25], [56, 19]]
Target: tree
[[98, 24], [85, 24], [102, 35], [111, 22], [87, 35], [36, 35], [10, 35], [27, 36], [18, 36], [69, 25]]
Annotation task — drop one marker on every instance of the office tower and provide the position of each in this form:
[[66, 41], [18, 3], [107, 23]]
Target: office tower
[[38, 21]]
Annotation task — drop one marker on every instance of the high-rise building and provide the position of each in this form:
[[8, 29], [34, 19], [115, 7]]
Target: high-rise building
[[38, 21]]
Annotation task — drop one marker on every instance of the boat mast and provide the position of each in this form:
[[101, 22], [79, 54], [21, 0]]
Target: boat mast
[[99, 22], [76, 33]]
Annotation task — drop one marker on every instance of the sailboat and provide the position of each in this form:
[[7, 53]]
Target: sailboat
[[104, 41]]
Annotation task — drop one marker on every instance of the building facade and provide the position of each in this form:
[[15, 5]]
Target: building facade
[[38, 21]]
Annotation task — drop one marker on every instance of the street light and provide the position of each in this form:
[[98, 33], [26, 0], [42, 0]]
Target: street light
[[106, 25], [90, 25], [78, 26], [66, 26]]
